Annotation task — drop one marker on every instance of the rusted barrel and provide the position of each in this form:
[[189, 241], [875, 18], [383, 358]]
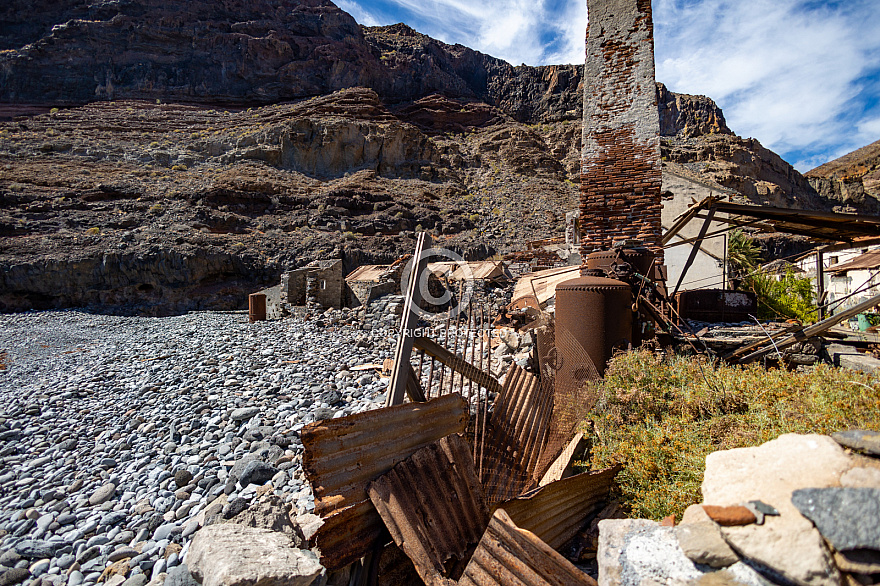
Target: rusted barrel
[[593, 316], [257, 307]]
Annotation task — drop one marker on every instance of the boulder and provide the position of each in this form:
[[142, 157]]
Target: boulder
[[270, 513], [788, 545], [637, 551], [236, 555]]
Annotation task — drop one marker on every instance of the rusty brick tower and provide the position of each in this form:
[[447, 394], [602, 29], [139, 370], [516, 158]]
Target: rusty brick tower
[[620, 164]]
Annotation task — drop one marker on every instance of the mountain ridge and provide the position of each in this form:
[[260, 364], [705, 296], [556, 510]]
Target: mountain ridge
[[169, 197]]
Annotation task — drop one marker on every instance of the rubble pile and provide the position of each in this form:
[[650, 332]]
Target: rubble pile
[[801, 509]]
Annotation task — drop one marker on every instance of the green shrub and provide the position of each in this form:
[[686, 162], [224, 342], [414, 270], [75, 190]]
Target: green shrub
[[662, 416]]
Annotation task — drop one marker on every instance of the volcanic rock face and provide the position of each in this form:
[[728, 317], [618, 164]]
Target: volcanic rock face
[[192, 202], [853, 179]]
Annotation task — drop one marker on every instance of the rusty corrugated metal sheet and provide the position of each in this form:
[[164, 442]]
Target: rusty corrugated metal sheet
[[349, 534], [509, 555], [542, 284], [522, 413], [556, 512], [343, 455], [433, 506]]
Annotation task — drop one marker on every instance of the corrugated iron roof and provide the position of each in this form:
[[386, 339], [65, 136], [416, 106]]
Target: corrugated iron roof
[[869, 260], [510, 555], [343, 455], [542, 284], [556, 512], [433, 506], [462, 271], [349, 534], [372, 273]]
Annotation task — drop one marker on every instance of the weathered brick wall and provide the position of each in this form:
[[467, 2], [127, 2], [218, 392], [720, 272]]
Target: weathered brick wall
[[620, 166]]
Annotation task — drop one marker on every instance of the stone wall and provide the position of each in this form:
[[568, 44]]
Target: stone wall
[[329, 284], [620, 166]]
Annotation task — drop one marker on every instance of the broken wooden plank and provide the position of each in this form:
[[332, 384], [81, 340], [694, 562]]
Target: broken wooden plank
[[456, 363]]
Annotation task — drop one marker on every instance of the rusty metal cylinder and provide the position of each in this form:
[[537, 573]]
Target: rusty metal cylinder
[[593, 315], [641, 259], [257, 307]]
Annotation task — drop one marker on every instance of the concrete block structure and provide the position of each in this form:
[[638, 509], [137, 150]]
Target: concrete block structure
[[620, 165]]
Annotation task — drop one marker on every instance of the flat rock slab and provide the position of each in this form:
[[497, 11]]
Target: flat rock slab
[[859, 439], [236, 555], [788, 544], [848, 518]]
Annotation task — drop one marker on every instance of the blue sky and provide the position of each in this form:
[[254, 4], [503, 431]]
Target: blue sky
[[801, 76]]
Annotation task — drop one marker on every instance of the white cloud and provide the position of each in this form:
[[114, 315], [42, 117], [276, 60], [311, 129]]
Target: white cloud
[[787, 72], [535, 32], [364, 17], [795, 74]]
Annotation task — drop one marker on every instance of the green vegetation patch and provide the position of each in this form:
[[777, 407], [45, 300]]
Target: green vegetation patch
[[662, 416]]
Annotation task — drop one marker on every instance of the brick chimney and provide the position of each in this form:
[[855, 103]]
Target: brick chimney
[[620, 163]]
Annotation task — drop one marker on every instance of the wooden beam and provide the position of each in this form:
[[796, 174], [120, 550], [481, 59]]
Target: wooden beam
[[456, 363], [401, 374], [703, 229], [805, 333]]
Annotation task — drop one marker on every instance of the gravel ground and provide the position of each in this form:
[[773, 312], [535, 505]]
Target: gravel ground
[[118, 432]]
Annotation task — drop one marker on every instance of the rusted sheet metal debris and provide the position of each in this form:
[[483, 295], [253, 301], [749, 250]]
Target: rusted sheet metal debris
[[557, 511], [349, 534], [433, 506], [456, 363], [343, 455], [508, 555], [523, 412]]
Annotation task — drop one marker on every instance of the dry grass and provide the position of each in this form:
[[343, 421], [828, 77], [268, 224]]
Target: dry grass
[[663, 415]]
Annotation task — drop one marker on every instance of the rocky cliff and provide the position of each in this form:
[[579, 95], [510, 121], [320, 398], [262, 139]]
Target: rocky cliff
[[853, 179], [243, 139]]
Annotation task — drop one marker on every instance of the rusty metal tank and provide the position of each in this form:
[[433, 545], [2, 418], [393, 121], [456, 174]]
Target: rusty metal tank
[[638, 257], [593, 316]]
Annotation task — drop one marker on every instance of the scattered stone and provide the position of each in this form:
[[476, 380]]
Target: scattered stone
[[14, 576], [730, 516], [182, 478], [859, 439], [257, 472], [36, 549], [180, 576], [236, 555], [102, 494], [244, 413], [848, 518], [789, 544]]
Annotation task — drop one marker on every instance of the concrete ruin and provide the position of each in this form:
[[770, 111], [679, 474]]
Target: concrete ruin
[[620, 164]]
